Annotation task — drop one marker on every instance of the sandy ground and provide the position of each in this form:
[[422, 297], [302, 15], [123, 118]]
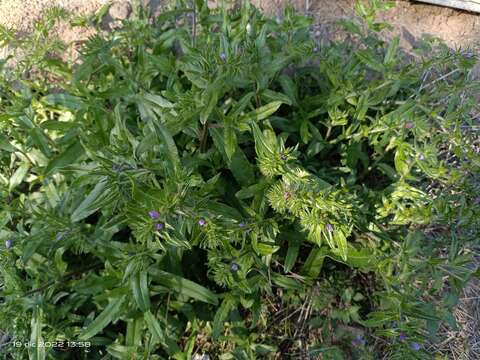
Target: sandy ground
[[459, 29], [410, 20]]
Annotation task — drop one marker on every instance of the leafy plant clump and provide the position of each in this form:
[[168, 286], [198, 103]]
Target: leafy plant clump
[[215, 181]]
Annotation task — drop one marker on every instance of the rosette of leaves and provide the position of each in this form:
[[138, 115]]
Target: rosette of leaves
[[272, 169]]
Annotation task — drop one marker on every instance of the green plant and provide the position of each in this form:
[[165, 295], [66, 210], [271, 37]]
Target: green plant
[[226, 185]]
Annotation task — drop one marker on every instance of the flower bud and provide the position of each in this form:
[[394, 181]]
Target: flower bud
[[234, 267], [159, 226]]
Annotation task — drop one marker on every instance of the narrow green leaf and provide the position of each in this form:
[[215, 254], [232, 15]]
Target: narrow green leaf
[[68, 157], [106, 317], [36, 352], [292, 254], [313, 264], [154, 327], [6, 145], [230, 138], [92, 202], [158, 100], [221, 315], [18, 176], [286, 282], [40, 140], [183, 286], [66, 101], [389, 58], [262, 112], [139, 285]]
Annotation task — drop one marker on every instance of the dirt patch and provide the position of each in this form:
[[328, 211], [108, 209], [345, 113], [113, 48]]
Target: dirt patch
[[410, 20]]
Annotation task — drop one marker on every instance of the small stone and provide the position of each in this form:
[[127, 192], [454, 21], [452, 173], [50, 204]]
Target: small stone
[[8, 243], [415, 346], [119, 10], [234, 267], [408, 125], [202, 222], [154, 214], [159, 226]]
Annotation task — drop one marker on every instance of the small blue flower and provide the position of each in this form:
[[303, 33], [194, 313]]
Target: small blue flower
[[415, 346], [202, 222], [59, 236], [234, 267], [242, 224], [223, 56], [421, 157], [358, 341], [159, 226], [315, 49], [8, 243], [154, 214], [402, 337], [329, 227]]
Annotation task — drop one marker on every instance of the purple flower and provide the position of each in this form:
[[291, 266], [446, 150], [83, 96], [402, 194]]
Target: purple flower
[[408, 125], [154, 214], [415, 346], [234, 267], [358, 341], [402, 337], [202, 222], [421, 157], [223, 56], [242, 224], [8, 244], [476, 201], [159, 226], [329, 227], [315, 49]]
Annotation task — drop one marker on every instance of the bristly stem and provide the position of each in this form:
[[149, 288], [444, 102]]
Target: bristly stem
[[194, 23]]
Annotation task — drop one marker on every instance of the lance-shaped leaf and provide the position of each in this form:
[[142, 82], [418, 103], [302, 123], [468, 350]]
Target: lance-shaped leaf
[[98, 197], [68, 157], [108, 315], [183, 286]]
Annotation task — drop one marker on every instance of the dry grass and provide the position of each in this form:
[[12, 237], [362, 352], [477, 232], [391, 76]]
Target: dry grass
[[463, 343]]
